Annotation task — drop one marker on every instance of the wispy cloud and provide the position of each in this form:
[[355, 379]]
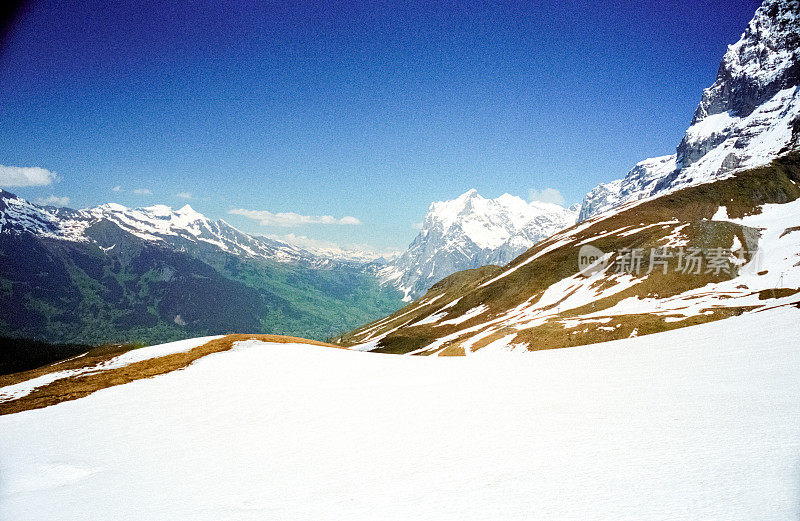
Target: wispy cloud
[[546, 195], [117, 188], [184, 195], [416, 226], [53, 200], [25, 176], [287, 219], [142, 191]]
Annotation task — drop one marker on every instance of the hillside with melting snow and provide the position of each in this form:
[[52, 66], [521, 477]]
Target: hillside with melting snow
[[694, 255]]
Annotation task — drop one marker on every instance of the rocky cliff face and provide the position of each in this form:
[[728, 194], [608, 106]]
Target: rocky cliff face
[[749, 116], [761, 64], [472, 231]]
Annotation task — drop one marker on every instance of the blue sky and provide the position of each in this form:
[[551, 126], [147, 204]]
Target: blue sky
[[368, 110]]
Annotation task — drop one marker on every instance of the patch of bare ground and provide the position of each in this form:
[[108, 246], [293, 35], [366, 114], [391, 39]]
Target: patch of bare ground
[[791, 229], [79, 386], [91, 358]]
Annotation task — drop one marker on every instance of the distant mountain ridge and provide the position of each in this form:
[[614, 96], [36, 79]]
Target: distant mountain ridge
[[469, 232], [159, 224], [112, 273], [747, 118]]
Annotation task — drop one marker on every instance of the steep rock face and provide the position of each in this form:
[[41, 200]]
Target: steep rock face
[[472, 231], [761, 64], [748, 117]]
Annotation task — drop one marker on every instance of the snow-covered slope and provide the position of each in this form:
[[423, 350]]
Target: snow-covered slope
[[698, 423], [472, 231], [749, 116]]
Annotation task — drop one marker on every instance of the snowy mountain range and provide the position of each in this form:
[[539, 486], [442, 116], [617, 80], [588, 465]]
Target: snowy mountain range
[[748, 117], [180, 229], [641, 363], [469, 232], [112, 273]]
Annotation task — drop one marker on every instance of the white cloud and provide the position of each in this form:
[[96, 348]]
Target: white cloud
[[53, 200], [266, 218], [546, 195], [143, 191], [348, 220], [117, 188], [417, 226], [25, 176], [184, 195]]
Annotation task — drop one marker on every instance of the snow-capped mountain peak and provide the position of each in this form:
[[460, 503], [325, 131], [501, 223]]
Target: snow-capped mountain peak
[[489, 223], [471, 231], [155, 222]]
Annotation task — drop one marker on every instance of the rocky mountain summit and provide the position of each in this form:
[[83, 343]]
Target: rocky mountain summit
[[747, 118], [472, 231]]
